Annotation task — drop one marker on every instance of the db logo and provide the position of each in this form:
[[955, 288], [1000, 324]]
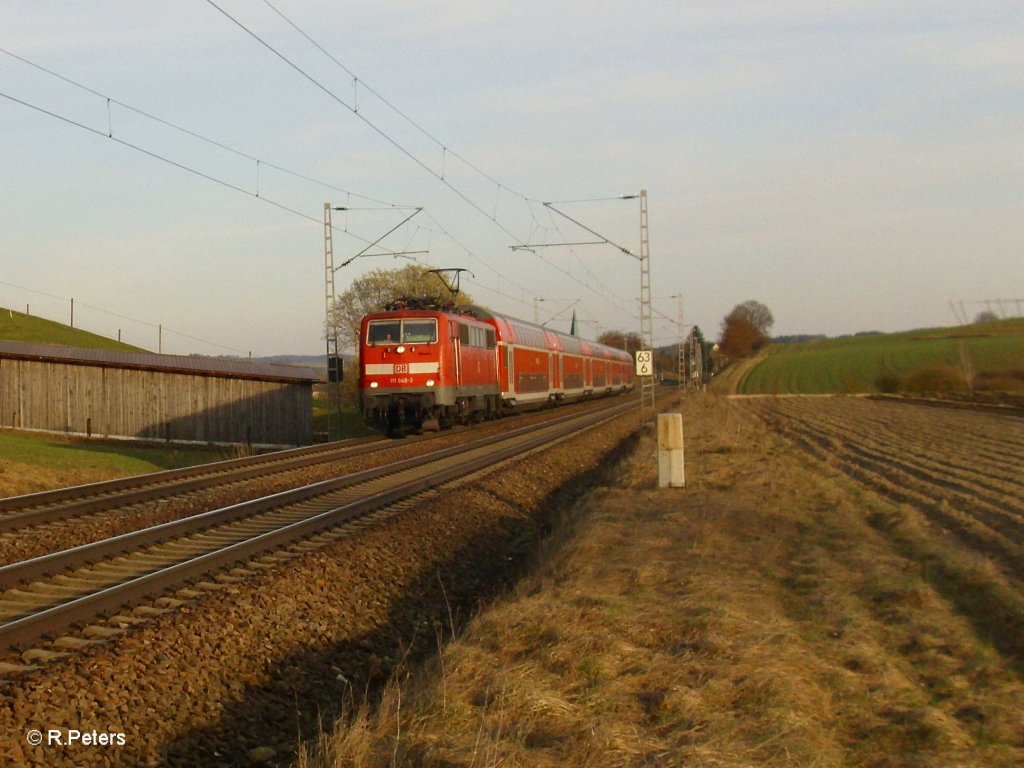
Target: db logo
[[401, 368]]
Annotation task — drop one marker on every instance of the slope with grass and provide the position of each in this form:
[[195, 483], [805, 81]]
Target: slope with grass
[[987, 356], [17, 326]]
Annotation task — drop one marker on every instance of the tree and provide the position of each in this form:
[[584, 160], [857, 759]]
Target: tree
[[374, 290], [759, 316], [986, 316], [746, 329], [630, 342]]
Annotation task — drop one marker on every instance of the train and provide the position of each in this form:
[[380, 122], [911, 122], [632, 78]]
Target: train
[[425, 366]]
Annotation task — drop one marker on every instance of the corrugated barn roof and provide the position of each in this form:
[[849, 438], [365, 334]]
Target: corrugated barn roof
[[195, 365]]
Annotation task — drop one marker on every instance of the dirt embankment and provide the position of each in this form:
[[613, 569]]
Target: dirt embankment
[[776, 612]]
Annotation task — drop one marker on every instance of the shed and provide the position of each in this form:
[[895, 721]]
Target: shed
[[146, 396]]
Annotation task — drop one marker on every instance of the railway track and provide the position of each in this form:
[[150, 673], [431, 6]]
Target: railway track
[[19, 512], [45, 595], [63, 503]]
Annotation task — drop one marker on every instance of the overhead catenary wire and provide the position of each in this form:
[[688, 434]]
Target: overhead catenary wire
[[384, 205], [175, 163], [445, 150], [602, 290], [260, 162], [354, 110], [111, 101], [440, 176]]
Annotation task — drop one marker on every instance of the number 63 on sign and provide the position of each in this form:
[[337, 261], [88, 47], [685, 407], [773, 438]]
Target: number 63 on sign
[[644, 366]]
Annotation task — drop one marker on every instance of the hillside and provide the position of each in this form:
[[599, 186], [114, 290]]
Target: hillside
[[983, 357], [17, 326]]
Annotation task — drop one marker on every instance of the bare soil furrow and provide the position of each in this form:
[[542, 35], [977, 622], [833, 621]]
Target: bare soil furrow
[[932, 455], [991, 440], [988, 531], [960, 445], [966, 484]]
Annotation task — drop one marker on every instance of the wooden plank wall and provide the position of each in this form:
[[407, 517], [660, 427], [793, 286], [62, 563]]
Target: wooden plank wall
[[153, 405]]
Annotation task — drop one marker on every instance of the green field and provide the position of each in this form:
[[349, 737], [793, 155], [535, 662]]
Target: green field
[[17, 326], [984, 357]]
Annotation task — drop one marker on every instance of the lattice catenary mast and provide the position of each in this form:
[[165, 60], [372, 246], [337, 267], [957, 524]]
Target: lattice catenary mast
[[647, 408]]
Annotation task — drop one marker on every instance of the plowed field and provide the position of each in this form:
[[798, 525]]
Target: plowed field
[[963, 469]]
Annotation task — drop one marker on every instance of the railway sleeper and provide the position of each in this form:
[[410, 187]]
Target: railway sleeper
[[73, 643], [43, 654], [99, 631]]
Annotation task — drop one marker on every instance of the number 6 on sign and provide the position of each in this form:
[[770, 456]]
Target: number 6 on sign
[[643, 363]]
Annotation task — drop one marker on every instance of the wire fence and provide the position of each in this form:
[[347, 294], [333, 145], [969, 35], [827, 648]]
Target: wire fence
[[145, 334]]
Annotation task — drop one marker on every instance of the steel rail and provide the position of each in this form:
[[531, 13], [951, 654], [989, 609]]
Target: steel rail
[[13, 574], [58, 495], [63, 503], [50, 618], [60, 504]]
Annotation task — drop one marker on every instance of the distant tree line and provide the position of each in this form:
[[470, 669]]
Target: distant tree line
[[798, 338]]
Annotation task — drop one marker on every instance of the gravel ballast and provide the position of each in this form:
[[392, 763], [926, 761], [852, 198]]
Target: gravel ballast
[[238, 677]]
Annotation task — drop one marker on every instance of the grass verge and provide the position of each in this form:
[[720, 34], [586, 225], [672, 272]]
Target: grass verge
[[30, 463]]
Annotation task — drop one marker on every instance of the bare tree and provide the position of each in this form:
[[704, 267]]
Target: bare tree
[[746, 329], [375, 290], [630, 342]]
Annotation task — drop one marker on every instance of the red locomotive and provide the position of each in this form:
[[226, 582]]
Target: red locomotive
[[425, 366]]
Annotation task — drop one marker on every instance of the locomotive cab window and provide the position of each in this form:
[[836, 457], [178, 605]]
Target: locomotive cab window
[[419, 331], [383, 332]]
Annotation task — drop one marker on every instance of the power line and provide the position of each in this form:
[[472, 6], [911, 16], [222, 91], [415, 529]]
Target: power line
[[353, 108], [177, 164], [396, 110], [182, 166], [609, 295], [187, 131], [355, 111]]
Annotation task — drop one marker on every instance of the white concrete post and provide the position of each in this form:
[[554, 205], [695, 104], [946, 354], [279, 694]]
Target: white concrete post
[[670, 451]]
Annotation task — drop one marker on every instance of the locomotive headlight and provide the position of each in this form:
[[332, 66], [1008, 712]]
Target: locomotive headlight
[[430, 382], [399, 349], [374, 385]]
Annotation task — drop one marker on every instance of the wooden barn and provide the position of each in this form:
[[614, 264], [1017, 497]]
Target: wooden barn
[[100, 393]]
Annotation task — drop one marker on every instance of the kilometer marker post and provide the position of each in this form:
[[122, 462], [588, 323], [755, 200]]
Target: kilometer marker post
[[671, 471]]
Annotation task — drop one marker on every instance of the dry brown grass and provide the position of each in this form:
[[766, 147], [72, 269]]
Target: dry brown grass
[[762, 616]]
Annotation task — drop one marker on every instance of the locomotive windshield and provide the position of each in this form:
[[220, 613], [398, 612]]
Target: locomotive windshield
[[418, 331], [384, 332]]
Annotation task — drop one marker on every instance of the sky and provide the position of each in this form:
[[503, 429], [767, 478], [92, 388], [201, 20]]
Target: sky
[[854, 166]]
